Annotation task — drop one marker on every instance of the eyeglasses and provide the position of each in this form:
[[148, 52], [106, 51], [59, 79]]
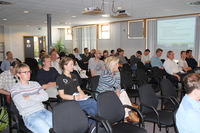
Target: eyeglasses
[[15, 79], [26, 72]]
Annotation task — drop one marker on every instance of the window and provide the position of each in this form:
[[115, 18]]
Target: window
[[135, 29], [104, 31], [68, 34]]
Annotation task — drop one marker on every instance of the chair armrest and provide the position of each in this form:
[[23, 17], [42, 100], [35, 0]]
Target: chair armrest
[[103, 121], [153, 109], [13, 117], [172, 99], [51, 130], [138, 112]]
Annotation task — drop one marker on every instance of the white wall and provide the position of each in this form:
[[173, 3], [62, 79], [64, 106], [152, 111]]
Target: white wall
[[13, 38], [119, 39]]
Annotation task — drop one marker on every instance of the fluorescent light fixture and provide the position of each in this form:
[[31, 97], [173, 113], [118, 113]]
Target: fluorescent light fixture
[[73, 16], [106, 15], [5, 19], [25, 11]]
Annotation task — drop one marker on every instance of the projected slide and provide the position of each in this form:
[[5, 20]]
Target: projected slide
[[176, 33]]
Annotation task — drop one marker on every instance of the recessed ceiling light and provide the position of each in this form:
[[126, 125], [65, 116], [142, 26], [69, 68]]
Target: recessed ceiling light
[[73, 16], [5, 19], [25, 11]]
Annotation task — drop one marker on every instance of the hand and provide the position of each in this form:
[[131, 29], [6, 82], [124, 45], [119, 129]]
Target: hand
[[80, 96], [161, 67], [27, 97]]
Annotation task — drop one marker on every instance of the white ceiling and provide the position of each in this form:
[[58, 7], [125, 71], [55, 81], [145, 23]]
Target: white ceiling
[[62, 10]]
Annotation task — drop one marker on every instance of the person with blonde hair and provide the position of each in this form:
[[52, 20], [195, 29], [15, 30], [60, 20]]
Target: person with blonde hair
[[69, 88], [110, 81]]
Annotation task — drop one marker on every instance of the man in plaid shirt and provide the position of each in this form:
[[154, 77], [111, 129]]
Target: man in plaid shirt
[[8, 79]]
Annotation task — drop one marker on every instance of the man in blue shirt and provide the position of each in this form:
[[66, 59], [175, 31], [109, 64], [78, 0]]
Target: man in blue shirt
[[5, 65], [155, 60], [188, 114]]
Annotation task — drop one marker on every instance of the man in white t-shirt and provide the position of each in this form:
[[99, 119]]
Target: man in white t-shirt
[[145, 58]]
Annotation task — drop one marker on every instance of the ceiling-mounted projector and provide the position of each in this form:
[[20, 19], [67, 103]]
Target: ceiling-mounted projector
[[121, 13]]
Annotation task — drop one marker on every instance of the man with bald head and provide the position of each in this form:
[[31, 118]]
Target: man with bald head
[[95, 65]]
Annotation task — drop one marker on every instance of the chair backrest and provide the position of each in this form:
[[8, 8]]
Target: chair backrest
[[94, 82], [78, 76], [147, 96], [175, 121], [157, 72], [126, 79], [126, 67], [141, 75], [14, 109], [140, 65], [110, 107], [68, 117], [167, 88]]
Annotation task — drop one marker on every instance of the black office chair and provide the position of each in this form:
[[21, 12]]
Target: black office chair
[[93, 85], [144, 79], [149, 105], [148, 71], [110, 108], [167, 89], [15, 120], [157, 72], [128, 83], [126, 67], [68, 117]]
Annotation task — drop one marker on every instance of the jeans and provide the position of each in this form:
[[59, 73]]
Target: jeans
[[39, 122], [134, 68], [89, 106]]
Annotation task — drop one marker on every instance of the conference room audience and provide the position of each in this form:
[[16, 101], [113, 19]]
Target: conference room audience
[[5, 65], [182, 62], [145, 58], [69, 88], [42, 52], [110, 81], [190, 59], [188, 114], [46, 77], [95, 65], [28, 97], [155, 60]]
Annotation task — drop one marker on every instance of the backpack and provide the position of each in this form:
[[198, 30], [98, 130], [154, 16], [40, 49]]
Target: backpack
[[3, 118]]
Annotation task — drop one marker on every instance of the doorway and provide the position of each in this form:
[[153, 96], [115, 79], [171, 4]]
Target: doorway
[[33, 45]]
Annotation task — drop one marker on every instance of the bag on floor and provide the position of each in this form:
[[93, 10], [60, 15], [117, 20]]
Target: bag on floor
[[3, 118]]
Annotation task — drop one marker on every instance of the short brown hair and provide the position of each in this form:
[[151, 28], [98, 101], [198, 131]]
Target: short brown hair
[[191, 82], [169, 52], [158, 50], [44, 57]]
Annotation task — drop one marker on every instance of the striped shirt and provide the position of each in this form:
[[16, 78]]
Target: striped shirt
[[109, 82], [36, 96]]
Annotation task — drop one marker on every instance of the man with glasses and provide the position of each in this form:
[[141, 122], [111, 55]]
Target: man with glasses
[[8, 79], [5, 65], [28, 97], [95, 65]]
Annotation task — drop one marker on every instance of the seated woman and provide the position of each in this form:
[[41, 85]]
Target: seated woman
[[110, 81], [69, 89]]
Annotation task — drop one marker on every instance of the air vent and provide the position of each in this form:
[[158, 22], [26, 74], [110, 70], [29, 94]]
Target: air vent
[[194, 3]]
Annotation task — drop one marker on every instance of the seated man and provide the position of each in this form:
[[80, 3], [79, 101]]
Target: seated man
[[8, 79], [134, 59], [182, 62], [155, 60], [145, 58], [190, 59], [28, 97], [76, 54], [172, 68], [95, 65], [5, 65], [47, 77], [188, 114], [122, 59], [55, 61]]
